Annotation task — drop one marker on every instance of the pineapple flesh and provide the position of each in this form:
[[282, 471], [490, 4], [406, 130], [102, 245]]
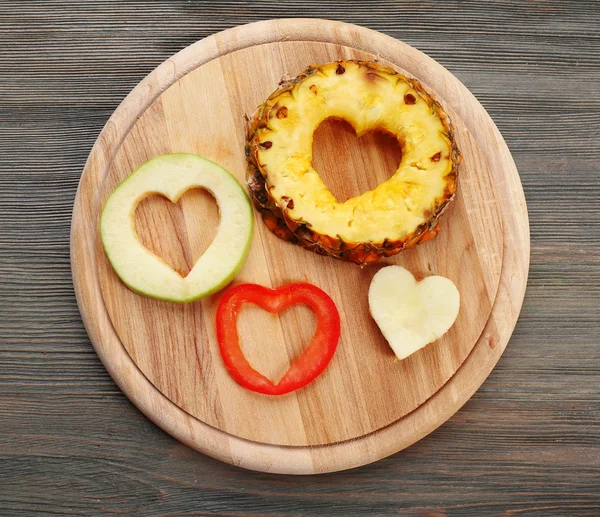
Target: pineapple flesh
[[292, 198]]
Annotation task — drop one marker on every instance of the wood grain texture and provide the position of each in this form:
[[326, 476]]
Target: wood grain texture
[[526, 443], [364, 388], [207, 424]]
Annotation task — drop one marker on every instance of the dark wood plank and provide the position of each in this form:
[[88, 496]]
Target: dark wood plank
[[526, 444]]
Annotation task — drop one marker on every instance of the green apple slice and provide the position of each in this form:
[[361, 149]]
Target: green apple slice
[[171, 175], [412, 314]]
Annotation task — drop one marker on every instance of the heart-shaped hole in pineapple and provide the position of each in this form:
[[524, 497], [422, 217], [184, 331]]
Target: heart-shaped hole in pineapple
[[179, 232], [262, 334], [345, 161]]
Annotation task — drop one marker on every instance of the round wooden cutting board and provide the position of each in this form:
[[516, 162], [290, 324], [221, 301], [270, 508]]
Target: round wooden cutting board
[[366, 404], [364, 388]]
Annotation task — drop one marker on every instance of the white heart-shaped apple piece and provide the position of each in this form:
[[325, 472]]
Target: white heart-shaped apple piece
[[412, 314]]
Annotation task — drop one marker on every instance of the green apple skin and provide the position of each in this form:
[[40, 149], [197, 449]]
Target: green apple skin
[[171, 175]]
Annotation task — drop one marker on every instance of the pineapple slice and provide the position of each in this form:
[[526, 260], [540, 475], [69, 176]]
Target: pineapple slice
[[412, 314], [296, 204]]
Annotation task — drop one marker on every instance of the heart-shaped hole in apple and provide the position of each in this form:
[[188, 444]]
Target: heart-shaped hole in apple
[[179, 232], [260, 330], [343, 159]]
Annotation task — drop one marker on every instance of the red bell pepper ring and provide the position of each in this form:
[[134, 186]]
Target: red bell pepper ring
[[308, 365]]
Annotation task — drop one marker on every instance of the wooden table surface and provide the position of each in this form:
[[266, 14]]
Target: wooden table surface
[[528, 443]]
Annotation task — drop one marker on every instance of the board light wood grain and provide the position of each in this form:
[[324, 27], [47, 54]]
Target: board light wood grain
[[502, 170], [364, 388]]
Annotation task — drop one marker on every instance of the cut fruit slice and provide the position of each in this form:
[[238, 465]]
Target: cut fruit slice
[[171, 176], [289, 193], [412, 314]]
